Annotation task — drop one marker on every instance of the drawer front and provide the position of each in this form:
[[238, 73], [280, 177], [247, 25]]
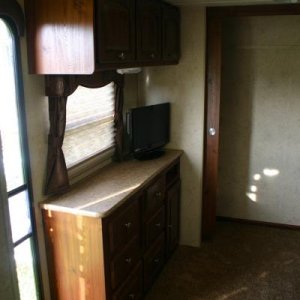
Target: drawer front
[[154, 261], [155, 195], [124, 263], [132, 289], [124, 226], [154, 226]]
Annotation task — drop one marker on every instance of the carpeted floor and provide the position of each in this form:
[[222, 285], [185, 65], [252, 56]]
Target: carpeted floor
[[242, 262]]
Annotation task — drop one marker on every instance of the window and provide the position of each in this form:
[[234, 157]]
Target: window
[[90, 124], [15, 160]]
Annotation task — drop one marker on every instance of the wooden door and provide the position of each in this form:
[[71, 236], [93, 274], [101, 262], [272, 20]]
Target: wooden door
[[149, 30], [215, 15], [211, 135], [170, 33], [115, 31], [173, 202]]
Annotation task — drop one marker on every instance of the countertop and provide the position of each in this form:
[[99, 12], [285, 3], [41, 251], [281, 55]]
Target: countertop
[[99, 195]]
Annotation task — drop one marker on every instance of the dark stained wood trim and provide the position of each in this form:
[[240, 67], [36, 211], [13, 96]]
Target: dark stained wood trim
[[211, 142], [66, 85], [215, 17], [259, 223], [11, 10], [253, 10]]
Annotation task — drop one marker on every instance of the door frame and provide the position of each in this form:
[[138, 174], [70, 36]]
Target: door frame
[[214, 21]]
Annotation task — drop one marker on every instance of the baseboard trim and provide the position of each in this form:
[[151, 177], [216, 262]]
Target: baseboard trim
[[259, 223]]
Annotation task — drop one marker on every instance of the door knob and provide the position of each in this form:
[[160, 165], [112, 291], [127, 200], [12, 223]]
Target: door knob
[[212, 131]]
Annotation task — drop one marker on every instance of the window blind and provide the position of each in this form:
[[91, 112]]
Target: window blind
[[90, 123]]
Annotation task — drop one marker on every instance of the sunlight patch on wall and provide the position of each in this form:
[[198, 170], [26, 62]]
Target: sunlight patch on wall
[[270, 172], [253, 189], [252, 196]]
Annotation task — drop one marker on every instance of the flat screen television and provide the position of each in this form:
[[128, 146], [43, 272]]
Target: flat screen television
[[150, 130]]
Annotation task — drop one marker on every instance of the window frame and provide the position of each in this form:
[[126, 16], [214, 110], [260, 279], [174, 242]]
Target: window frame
[[58, 89], [12, 15], [98, 160]]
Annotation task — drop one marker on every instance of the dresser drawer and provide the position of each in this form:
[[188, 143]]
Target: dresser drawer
[[132, 289], [154, 261], [154, 226], [155, 195], [124, 262], [124, 226]]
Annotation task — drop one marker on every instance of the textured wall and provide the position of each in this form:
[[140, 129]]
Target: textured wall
[[183, 86], [260, 119]]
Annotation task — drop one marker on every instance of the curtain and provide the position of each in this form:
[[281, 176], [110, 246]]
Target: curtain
[[57, 176], [119, 101], [58, 88]]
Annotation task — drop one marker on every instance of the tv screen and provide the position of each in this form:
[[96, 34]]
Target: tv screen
[[150, 127]]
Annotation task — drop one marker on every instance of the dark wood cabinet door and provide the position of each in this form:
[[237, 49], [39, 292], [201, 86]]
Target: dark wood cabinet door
[[173, 202], [115, 31], [149, 30], [171, 33]]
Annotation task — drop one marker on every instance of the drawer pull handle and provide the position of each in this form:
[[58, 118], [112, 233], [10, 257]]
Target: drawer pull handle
[[128, 225], [131, 296], [157, 224], [158, 194], [121, 55], [156, 260], [128, 260]]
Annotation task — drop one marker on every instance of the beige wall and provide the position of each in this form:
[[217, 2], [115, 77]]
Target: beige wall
[[260, 120], [183, 86]]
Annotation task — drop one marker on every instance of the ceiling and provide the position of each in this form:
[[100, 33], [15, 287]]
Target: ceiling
[[228, 2]]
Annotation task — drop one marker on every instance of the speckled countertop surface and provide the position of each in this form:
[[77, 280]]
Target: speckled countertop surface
[[110, 187]]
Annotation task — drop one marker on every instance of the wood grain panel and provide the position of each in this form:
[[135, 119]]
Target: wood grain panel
[[75, 256], [60, 36], [149, 30], [212, 108]]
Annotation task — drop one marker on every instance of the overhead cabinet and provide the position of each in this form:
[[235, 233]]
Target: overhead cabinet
[[79, 37]]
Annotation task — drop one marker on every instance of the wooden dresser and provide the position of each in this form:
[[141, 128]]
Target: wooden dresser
[[110, 236]]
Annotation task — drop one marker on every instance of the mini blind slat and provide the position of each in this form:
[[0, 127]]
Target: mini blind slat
[[90, 123]]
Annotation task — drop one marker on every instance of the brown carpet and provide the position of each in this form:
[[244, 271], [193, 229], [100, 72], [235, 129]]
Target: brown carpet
[[241, 262]]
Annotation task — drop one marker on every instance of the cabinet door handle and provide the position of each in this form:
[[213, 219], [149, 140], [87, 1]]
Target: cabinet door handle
[[157, 224], [131, 296], [128, 225], [121, 55], [158, 194], [128, 260], [152, 55], [156, 260]]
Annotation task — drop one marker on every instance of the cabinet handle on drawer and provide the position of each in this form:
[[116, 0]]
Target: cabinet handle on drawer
[[158, 194], [131, 296], [156, 260], [128, 260], [157, 224], [127, 225], [121, 55]]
